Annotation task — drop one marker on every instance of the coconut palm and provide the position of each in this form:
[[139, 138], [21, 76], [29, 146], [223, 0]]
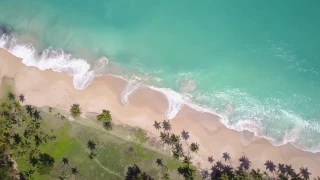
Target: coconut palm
[[174, 139], [226, 156], [74, 170], [22, 98], [166, 176], [187, 160], [305, 173], [92, 155], [11, 96], [194, 147], [17, 138], [227, 169], [219, 165], [104, 116], [166, 125], [165, 137], [157, 125], [270, 166], [205, 174], [107, 125], [36, 115], [91, 145], [33, 160], [210, 159], [281, 168], [290, 170], [75, 110], [65, 161], [256, 174], [244, 162], [185, 135], [63, 175], [29, 110], [159, 162]]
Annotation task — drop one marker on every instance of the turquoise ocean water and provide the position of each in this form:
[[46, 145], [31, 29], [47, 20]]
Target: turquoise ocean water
[[256, 63]]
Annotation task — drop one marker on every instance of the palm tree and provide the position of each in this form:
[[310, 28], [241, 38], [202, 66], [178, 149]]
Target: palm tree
[[165, 137], [17, 138], [33, 160], [270, 166], [105, 116], [185, 135], [157, 125], [174, 139], [75, 110], [166, 176], [11, 96], [304, 173], [74, 170], [65, 161], [63, 175], [194, 147], [219, 165], [22, 98], [92, 155], [290, 170], [166, 125], [226, 156], [187, 160], [210, 159], [29, 110], [256, 174], [159, 162], [91, 145], [107, 125], [227, 169], [36, 115], [281, 168], [244, 162]]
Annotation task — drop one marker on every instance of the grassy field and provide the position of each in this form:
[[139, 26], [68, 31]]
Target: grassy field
[[115, 154]]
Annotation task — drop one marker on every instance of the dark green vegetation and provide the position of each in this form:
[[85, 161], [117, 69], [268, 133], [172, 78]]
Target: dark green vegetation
[[75, 110]]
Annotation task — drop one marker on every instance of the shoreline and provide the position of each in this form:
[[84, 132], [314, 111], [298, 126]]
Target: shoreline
[[49, 88]]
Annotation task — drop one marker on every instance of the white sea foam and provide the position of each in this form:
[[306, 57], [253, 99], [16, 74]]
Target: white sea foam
[[55, 59], [175, 101], [132, 85]]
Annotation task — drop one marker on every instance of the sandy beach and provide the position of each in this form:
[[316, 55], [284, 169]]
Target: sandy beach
[[48, 88]]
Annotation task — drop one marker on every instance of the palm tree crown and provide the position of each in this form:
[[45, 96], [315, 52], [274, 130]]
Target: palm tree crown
[[210, 159], [65, 161], [270, 166], [194, 147], [226, 156], [185, 135], [157, 125], [166, 125], [244, 162], [75, 110], [74, 170], [22, 98], [91, 145], [11, 96], [304, 173]]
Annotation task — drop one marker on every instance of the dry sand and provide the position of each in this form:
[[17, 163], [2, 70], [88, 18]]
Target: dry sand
[[48, 88]]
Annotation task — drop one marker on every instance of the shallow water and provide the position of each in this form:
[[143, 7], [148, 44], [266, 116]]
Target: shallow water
[[255, 63]]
